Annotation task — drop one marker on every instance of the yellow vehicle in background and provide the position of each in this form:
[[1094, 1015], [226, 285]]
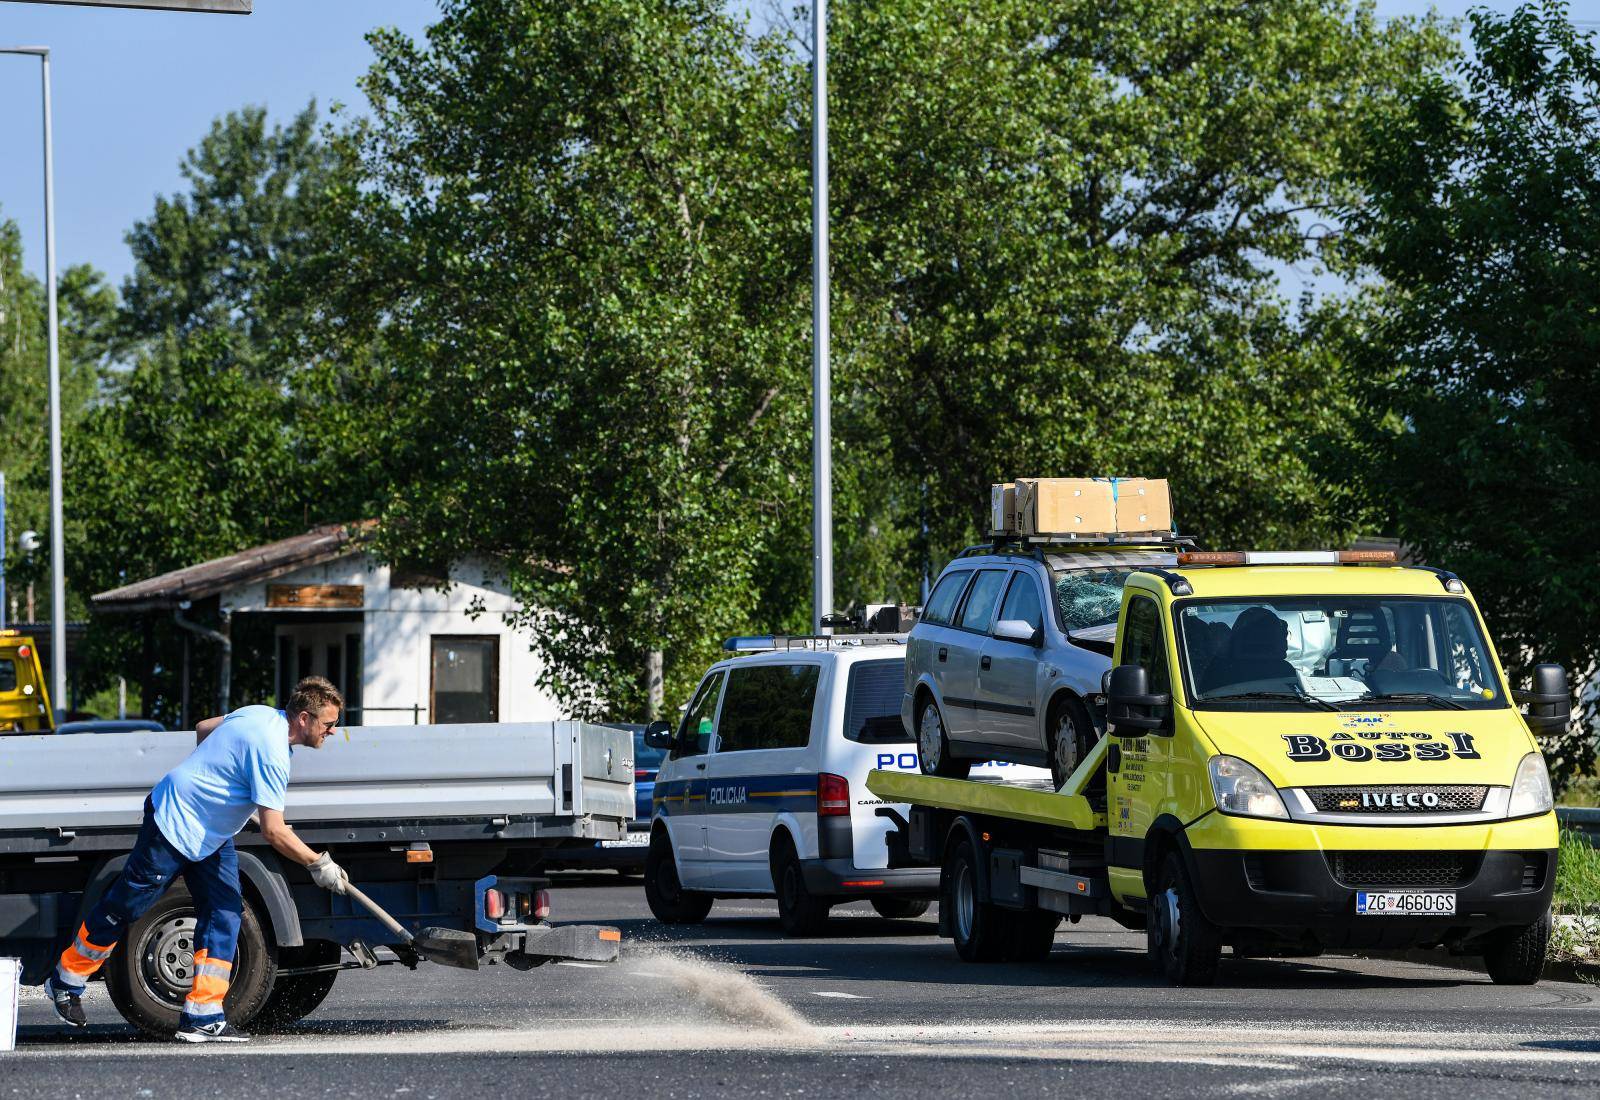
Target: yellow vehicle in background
[[24, 699], [1301, 752]]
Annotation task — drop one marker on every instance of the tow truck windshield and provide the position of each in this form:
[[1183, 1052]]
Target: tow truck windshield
[[1344, 652]]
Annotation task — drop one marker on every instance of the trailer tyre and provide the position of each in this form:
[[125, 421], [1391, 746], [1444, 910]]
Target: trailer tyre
[[1516, 955], [668, 900], [933, 745], [1184, 945], [297, 996], [981, 930], [152, 969], [1033, 936], [901, 908], [800, 911]]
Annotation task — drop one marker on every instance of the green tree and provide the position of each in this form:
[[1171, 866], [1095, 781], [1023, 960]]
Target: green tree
[[1482, 217]]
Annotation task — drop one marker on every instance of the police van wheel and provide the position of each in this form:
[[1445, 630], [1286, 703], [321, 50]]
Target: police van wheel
[[981, 930], [800, 911], [901, 908], [668, 900], [933, 746], [1183, 944], [152, 969], [1516, 956]]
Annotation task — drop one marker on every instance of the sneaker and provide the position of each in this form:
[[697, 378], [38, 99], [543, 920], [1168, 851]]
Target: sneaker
[[219, 1032], [67, 1002]]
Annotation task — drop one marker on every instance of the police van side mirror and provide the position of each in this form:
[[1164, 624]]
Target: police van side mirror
[[1550, 701], [1131, 710], [658, 735]]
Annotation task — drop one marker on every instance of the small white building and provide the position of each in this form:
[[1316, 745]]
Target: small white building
[[401, 650]]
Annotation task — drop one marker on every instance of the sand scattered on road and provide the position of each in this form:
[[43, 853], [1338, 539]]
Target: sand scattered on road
[[721, 989]]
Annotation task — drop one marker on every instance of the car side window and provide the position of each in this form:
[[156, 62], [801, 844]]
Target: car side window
[[694, 734], [1141, 641], [978, 612], [942, 604], [1022, 601], [768, 707]]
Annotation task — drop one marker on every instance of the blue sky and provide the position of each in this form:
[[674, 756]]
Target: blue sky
[[134, 90]]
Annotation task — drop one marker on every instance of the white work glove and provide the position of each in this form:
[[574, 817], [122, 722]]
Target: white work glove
[[328, 874]]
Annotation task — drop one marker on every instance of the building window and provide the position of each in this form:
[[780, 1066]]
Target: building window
[[465, 682], [352, 681]]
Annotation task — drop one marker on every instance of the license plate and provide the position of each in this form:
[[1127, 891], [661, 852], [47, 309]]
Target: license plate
[[639, 840], [1409, 903]]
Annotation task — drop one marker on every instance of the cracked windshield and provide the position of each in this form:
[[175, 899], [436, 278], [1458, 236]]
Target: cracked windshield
[[1337, 652]]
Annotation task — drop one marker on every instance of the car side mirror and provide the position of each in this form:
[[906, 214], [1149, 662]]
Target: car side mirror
[[658, 735], [1550, 701], [1131, 710], [1015, 630]]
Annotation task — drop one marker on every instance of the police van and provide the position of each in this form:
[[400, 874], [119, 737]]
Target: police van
[[763, 792]]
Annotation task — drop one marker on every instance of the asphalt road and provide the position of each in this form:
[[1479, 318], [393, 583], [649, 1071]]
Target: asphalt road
[[876, 1008]]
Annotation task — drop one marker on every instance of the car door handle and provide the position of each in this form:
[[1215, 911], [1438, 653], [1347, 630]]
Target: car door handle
[[700, 767], [943, 653], [984, 664]]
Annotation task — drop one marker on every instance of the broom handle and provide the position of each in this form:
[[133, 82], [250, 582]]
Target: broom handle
[[372, 907]]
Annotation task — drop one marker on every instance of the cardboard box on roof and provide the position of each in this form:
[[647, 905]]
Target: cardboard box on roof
[[1003, 509], [1143, 505], [1065, 506]]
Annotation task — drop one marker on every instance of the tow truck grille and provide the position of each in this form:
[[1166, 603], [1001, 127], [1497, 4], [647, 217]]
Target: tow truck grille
[[1445, 799], [1414, 869]]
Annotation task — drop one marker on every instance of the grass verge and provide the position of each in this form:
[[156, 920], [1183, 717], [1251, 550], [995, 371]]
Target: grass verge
[[1576, 937]]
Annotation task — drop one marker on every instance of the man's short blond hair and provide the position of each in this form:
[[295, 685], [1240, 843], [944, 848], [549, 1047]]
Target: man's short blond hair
[[312, 694]]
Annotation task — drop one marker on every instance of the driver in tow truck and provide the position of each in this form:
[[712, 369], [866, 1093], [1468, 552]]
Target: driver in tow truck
[[239, 768]]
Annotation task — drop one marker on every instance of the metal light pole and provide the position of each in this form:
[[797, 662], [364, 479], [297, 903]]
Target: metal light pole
[[2, 551], [58, 589], [822, 428]]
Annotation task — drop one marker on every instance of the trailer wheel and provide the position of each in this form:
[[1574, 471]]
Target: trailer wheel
[[1516, 955], [1183, 944], [933, 745], [1033, 936], [800, 911], [297, 996], [152, 969], [901, 908], [668, 900], [981, 930]]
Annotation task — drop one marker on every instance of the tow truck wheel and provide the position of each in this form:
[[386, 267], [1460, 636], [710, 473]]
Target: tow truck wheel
[[933, 746], [980, 929], [1183, 944], [296, 996], [1516, 956], [152, 969], [1033, 936], [800, 911], [668, 900]]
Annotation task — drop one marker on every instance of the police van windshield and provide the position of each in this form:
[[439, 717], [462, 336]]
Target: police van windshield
[[1336, 652]]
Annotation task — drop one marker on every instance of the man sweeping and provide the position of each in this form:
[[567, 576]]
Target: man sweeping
[[239, 766]]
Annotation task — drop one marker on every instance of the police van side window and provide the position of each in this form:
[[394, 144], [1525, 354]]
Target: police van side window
[[872, 703], [942, 604], [694, 735], [1141, 641], [768, 707]]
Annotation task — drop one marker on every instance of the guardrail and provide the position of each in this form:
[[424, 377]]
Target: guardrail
[[1584, 820]]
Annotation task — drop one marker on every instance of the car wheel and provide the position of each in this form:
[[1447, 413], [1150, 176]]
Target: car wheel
[[666, 896], [1183, 944], [1067, 741], [933, 746], [800, 911]]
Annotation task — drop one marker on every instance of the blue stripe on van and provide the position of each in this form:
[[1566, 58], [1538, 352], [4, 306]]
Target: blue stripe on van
[[745, 794]]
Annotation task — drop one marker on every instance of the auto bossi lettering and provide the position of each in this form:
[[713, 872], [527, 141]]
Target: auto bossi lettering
[[1307, 748]]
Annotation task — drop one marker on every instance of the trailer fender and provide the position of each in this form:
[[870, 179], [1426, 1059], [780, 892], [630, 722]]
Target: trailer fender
[[262, 874]]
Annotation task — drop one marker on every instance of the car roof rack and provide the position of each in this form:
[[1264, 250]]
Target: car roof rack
[[1033, 546]]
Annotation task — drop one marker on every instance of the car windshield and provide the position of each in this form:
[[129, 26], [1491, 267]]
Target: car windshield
[[1089, 597], [1345, 652]]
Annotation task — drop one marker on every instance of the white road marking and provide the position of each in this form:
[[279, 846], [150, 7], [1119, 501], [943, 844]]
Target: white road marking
[[835, 993]]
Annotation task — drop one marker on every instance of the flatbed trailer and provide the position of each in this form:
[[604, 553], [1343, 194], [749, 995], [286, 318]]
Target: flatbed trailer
[[444, 826]]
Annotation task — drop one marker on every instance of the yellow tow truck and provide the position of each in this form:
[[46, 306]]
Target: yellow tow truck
[[24, 699], [1301, 752]]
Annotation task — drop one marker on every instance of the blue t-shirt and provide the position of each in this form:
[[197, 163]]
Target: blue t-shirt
[[205, 800]]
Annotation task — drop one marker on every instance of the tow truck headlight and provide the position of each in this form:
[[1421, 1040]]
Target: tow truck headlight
[[1530, 790], [1240, 789]]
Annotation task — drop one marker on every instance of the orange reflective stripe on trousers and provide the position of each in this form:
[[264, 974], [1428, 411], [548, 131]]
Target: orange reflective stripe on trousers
[[83, 958], [210, 983]]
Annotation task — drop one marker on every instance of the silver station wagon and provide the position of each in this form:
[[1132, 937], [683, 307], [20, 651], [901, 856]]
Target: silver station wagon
[[1007, 659]]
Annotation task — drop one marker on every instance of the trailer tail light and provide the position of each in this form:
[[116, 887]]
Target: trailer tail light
[[541, 905], [833, 795], [494, 904]]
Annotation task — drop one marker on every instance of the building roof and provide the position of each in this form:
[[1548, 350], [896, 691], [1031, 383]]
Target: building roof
[[259, 563]]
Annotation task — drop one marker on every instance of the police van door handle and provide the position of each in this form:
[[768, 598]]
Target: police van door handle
[[943, 653], [984, 664], [700, 767]]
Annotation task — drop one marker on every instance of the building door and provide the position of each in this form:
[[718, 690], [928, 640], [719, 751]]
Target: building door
[[464, 681], [329, 650]]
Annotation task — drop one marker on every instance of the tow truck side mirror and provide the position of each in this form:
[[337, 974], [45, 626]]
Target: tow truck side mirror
[[658, 735], [1550, 701], [1131, 710]]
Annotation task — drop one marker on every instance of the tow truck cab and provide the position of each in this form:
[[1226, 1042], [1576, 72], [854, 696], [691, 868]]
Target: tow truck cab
[[24, 699]]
